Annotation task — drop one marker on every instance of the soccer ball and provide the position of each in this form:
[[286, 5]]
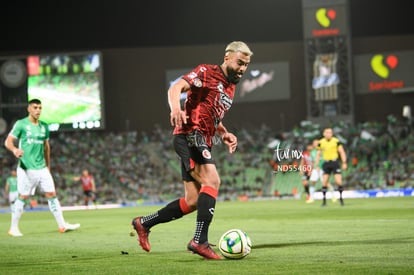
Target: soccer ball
[[235, 244]]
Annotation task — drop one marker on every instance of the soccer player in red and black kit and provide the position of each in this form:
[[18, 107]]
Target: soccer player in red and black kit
[[210, 91], [88, 187], [305, 169]]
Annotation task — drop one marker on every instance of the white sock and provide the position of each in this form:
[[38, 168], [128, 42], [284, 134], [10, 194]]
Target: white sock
[[12, 207], [17, 211], [311, 191], [54, 206]]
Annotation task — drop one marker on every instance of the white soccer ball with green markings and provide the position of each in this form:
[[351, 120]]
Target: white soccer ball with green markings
[[235, 244]]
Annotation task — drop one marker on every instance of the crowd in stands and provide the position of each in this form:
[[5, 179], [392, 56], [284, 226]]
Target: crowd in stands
[[140, 166]]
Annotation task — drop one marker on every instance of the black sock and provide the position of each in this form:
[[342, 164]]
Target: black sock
[[168, 213], [307, 189], [340, 189], [205, 206], [324, 189]]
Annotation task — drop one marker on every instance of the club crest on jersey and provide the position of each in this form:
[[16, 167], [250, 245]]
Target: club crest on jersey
[[197, 82], [206, 154]]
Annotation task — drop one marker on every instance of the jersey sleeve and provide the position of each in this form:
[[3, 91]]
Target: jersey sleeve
[[16, 131], [319, 146], [338, 143], [194, 78]]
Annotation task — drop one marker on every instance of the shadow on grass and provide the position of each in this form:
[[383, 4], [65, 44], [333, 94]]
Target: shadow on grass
[[324, 243]]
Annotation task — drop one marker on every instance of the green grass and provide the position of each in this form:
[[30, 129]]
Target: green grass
[[366, 236]]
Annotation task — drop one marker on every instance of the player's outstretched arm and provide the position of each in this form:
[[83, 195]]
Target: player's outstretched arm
[[342, 154], [177, 116], [228, 138], [9, 144]]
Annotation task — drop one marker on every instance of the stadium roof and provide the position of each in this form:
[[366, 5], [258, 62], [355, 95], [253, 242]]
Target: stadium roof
[[76, 24]]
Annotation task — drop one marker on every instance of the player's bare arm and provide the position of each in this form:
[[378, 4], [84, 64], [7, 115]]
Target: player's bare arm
[[9, 144], [228, 138], [47, 153], [6, 188], [93, 186], [342, 154], [177, 116], [318, 157]]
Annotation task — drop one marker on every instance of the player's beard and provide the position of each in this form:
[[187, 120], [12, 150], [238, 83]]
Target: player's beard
[[232, 76]]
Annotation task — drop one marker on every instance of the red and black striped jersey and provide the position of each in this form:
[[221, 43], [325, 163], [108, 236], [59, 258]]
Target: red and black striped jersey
[[208, 100], [87, 182]]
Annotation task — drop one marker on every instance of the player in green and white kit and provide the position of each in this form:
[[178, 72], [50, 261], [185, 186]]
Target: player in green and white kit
[[10, 188], [33, 169], [316, 174]]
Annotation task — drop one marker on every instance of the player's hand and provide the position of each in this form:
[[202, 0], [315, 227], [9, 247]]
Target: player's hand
[[344, 166], [178, 118], [231, 141], [18, 153]]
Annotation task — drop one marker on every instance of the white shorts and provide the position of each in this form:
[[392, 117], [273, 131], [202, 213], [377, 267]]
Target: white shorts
[[316, 175], [28, 180], [13, 196]]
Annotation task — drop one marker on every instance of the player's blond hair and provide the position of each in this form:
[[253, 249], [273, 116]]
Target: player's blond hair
[[238, 46]]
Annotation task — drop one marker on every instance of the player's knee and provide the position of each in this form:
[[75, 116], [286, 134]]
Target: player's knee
[[24, 199], [50, 194], [212, 182]]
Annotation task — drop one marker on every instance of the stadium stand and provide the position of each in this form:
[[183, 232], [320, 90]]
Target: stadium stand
[[142, 167]]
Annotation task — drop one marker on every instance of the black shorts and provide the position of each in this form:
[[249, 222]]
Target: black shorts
[[89, 193], [331, 167], [191, 149]]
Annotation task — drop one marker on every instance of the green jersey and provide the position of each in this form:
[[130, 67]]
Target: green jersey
[[12, 182], [31, 140], [313, 153]]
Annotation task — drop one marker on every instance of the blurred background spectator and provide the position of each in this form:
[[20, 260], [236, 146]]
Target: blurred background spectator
[[136, 167]]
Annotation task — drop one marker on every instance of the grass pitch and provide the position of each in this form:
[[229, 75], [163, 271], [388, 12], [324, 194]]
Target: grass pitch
[[366, 236]]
